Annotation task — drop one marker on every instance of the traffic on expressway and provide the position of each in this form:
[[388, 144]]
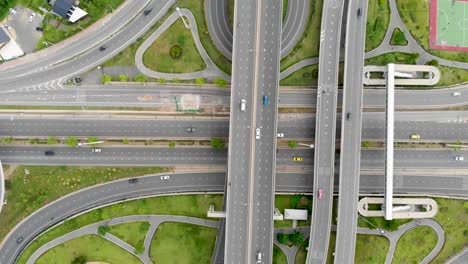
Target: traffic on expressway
[[233, 131]]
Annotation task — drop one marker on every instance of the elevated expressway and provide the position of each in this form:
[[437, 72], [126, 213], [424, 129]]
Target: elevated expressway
[[351, 125], [325, 130], [120, 190], [252, 133], [219, 26]]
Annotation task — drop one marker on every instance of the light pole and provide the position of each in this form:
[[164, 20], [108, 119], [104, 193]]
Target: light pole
[[306, 145], [181, 16]]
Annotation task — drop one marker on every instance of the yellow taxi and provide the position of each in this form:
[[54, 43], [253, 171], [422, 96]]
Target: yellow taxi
[[297, 158], [415, 136]]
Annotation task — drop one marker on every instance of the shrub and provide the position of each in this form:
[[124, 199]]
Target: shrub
[[162, 80], [200, 81], [175, 51], [8, 140], [144, 226], [433, 63], [172, 144], [139, 249], [80, 260], [52, 140], [92, 139], [106, 78], [141, 78], [297, 238], [220, 82], [282, 238], [365, 144], [315, 73], [217, 143], [71, 141], [123, 77], [125, 141], [292, 143]]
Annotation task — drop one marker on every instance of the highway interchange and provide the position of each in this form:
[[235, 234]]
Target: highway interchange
[[40, 83]]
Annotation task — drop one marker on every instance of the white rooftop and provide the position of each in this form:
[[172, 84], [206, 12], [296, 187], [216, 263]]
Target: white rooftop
[[295, 214], [77, 14]]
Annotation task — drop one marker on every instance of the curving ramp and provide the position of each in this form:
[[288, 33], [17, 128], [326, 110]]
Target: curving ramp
[[216, 16], [211, 70]]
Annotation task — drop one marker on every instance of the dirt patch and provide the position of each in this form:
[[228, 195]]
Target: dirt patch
[[9, 171]]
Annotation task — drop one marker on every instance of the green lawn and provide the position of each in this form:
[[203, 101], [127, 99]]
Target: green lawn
[[378, 17], [188, 205], [182, 243], [230, 7], [285, 9], [449, 75], [301, 77], [301, 254], [415, 15], [157, 57], [398, 38], [278, 256], [43, 184], [197, 8], [308, 44], [133, 233], [93, 247], [293, 202], [452, 216], [414, 245], [371, 249]]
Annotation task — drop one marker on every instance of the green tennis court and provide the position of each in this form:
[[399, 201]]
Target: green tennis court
[[449, 24]]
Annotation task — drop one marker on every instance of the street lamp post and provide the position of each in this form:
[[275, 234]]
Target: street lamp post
[[306, 145], [183, 20]]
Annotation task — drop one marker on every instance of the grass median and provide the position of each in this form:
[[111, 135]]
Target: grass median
[[378, 18], [133, 233], [414, 245]]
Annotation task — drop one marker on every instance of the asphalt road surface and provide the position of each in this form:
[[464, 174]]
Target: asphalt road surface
[[350, 158], [325, 129]]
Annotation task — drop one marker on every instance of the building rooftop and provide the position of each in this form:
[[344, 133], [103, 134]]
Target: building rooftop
[[295, 214]]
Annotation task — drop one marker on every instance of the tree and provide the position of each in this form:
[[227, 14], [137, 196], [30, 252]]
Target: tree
[[7, 184], [391, 225], [123, 77], [125, 141], [398, 38], [106, 78], [217, 143], [220, 82], [282, 238], [292, 143], [33, 141], [161, 80], [80, 260], [52, 140], [92, 139], [200, 81], [71, 141], [141, 78], [103, 229], [172, 144], [297, 238]]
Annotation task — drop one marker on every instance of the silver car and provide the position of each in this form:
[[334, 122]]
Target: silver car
[[257, 133]]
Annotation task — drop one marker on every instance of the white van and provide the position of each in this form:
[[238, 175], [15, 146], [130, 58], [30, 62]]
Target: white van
[[242, 105], [259, 257]]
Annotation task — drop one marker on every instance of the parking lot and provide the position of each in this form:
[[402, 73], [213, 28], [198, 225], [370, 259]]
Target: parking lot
[[21, 23]]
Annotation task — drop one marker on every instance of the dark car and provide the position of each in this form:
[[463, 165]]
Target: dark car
[[359, 12], [147, 11], [348, 116], [78, 79], [131, 181], [190, 129], [39, 29], [49, 153], [102, 48], [19, 240]]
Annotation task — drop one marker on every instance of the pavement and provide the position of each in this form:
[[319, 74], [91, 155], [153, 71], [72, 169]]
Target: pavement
[[216, 15], [325, 128], [211, 71], [351, 132], [459, 258], [161, 95]]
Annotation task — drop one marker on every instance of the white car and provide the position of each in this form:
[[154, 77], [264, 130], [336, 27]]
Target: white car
[[280, 135], [96, 150], [257, 133], [165, 177], [12, 11], [242, 106], [456, 93], [459, 158], [7, 26], [32, 16]]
